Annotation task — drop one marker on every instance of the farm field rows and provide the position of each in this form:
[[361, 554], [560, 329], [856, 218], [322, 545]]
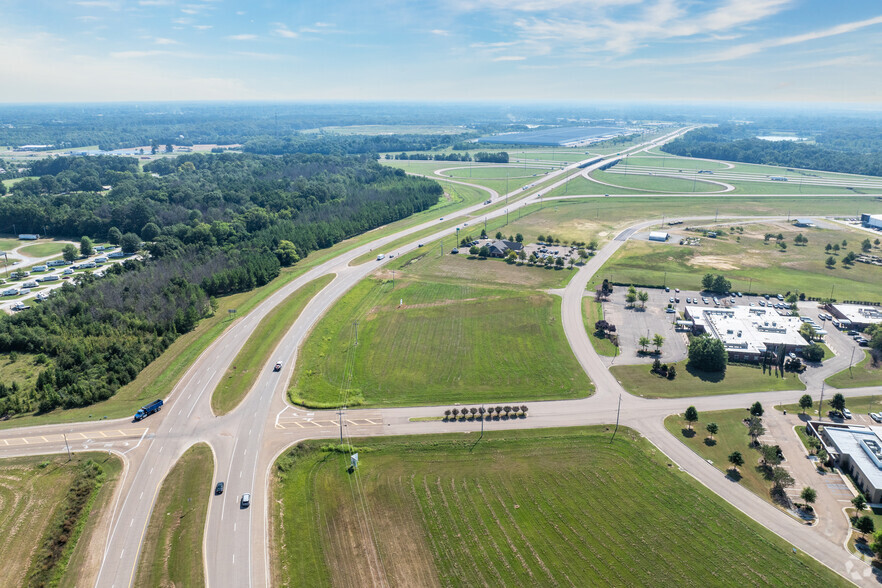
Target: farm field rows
[[516, 508], [451, 329], [35, 499]]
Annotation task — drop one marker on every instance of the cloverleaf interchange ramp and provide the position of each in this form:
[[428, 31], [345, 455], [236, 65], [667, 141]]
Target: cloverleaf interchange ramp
[[247, 440]]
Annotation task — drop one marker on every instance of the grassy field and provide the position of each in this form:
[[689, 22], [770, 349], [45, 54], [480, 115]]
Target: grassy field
[[496, 171], [451, 329], [674, 163], [750, 263], [8, 244], [863, 373], [255, 354], [37, 496], [593, 312], [490, 180], [43, 249], [738, 379], [654, 183], [517, 508], [172, 551], [24, 369], [732, 436]]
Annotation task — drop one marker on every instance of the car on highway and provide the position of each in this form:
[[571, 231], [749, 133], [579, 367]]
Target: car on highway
[[246, 500], [219, 489], [278, 366], [419, 244]]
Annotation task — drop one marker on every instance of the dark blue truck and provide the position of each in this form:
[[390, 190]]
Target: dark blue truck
[[148, 409]]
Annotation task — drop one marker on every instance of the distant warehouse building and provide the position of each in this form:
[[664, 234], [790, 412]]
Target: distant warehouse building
[[859, 316], [658, 236], [804, 222], [748, 332], [872, 220]]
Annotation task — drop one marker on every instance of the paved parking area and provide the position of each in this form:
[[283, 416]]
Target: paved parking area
[[633, 323]]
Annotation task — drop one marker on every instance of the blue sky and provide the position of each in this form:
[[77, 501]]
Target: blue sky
[[449, 50]]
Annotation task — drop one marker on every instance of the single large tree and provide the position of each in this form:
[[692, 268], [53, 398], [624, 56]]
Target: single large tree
[[86, 247], [707, 354], [150, 231], [712, 429], [865, 525], [859, 502], [658, 341], [69, 253], [114, 235], [756, 409], [809, 494], [736, 459], [691, 416], [805, 402], [130, 243], [838, 402]]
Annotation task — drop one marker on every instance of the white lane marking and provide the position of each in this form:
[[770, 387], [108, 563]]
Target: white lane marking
[[139, 442], [132, 522], [160, 451], [122, 553], [240, 475], [142, 496], [229, 471]]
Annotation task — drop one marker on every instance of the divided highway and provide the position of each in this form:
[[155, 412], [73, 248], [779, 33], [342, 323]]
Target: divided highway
[[247, 440]]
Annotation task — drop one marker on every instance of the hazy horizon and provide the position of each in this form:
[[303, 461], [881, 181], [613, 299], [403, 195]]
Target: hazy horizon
[[777, 52]]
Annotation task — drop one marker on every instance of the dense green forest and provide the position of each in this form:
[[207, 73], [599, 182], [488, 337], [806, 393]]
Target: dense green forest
[[849, 149], [214, 224]]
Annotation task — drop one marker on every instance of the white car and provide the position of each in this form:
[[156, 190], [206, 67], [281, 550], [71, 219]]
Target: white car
[[876, 417], [847, 413], [246, 500]]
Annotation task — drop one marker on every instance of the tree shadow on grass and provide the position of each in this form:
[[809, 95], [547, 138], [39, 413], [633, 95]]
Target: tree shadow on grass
[[733, 475], [710, 442], [712, 377], [688, 433]]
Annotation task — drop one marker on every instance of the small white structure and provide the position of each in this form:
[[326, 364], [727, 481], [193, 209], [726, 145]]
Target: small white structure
[[658, 236]]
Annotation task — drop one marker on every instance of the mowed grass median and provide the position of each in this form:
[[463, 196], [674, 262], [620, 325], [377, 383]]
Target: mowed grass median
[[255, 354], [49, 510], [172, 551], [517, 508], [450, 329], [866, 372]]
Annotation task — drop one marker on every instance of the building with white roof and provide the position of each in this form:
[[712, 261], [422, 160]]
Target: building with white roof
[[860, 316], [658, 236], [872, 220], [748, 332], [855, 449]]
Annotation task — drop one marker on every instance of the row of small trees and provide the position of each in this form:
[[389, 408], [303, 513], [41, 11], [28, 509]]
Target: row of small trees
[[481, 412]]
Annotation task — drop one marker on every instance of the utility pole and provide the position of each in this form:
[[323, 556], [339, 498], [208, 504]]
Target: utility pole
[[482, 422], [851, 360], [393, 279], [831, 292], [68, 447], [340, 413], [618, 413], [356, 332], [821, 401]]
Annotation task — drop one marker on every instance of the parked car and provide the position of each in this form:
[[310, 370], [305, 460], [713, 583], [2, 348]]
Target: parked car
[[847, 413], [876, 417]]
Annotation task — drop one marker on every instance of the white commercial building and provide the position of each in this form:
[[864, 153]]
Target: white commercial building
[[856, 450], [859, 316], [748, 332]]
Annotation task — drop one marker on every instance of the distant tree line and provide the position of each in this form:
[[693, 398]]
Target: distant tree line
[[738, 143], [499, 157], [433, 156]]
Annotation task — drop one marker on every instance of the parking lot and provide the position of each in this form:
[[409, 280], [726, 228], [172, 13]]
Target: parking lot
[[636, 322]]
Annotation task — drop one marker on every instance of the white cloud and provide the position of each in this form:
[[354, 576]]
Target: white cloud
[[88, 18], [155, 2], [242, 37], [535, 5], [134, 54], [108, 4], [282, 30], [203, 27], [509, 58], [164, 41], [260, 56], [440, 32]]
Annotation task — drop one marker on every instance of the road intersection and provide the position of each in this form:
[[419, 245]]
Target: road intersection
[[247, 441]]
